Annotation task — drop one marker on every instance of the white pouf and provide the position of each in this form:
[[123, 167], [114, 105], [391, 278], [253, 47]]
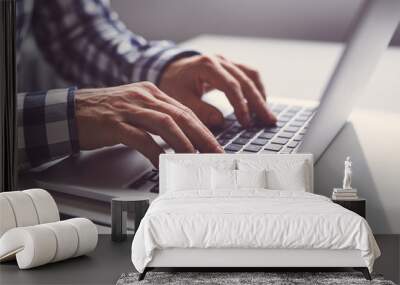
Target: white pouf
[[40, 244], [46, 207], [31, 231], [23, 208], [87, 234], [26, 208], [7, 218], [66, 237]]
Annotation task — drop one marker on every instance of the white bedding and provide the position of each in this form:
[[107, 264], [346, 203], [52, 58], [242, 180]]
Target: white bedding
[[251, 218]]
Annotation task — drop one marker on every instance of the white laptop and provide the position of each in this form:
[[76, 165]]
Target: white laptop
[[98, 176]]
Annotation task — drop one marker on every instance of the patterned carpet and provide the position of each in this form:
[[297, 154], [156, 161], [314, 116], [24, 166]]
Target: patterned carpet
[[243, 278]]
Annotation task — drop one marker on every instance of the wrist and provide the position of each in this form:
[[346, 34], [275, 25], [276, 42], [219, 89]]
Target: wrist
[[171, 65]]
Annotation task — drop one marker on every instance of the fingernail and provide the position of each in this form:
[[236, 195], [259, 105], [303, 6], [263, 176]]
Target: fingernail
[[273, 117]]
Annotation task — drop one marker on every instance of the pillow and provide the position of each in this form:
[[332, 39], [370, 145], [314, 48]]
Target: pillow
[[292, 179], [251, 178], [223, 179], [284, 172], [181, 177]]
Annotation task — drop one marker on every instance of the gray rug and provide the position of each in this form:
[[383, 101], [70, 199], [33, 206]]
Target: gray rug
[[232, 278]]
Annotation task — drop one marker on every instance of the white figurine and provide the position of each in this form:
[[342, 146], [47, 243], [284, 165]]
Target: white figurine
[[347, 174]]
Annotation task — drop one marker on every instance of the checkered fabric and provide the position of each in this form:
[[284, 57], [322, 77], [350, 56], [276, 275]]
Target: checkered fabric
[[46, 126], [88, 45]]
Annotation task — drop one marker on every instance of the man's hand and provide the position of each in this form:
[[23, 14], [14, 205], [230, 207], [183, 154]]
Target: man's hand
[[189, 78], [126, 114]]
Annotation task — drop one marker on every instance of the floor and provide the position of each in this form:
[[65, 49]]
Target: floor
[[103, 266], [110, 260]]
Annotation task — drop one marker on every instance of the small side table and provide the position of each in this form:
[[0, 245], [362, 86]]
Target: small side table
[[357, 206], [119, 214]]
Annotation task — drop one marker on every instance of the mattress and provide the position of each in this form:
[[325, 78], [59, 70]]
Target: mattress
[[250, 218]]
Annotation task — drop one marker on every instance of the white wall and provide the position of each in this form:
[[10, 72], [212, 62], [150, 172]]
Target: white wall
[[179, 20]]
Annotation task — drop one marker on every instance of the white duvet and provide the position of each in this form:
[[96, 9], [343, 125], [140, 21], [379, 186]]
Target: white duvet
[[253, 218]]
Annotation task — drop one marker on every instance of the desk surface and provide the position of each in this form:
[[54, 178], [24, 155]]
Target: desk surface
[[301, 69], [103, 266]]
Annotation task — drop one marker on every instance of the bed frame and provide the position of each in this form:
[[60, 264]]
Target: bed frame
[[246, 258], [242, 259]]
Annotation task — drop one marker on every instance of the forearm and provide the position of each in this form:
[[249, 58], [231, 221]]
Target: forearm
[[46, 126], [93, 48]]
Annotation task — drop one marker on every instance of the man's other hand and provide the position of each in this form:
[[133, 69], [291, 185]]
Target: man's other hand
[[189, 78], [127, 114]]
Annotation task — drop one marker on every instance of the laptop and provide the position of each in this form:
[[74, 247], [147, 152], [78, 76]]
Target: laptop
[[98, 176]]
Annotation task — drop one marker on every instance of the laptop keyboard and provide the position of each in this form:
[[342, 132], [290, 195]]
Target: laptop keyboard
[[150, 176], [284, 137]]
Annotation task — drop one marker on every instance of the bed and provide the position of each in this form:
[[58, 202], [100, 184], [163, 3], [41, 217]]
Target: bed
[[247, 210]]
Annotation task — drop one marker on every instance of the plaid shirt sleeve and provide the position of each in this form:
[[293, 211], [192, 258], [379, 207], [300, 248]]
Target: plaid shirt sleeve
[[91, 47], [88, 45], [46, 126]]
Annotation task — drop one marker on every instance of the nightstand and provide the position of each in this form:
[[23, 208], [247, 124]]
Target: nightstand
[[358, 206]]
